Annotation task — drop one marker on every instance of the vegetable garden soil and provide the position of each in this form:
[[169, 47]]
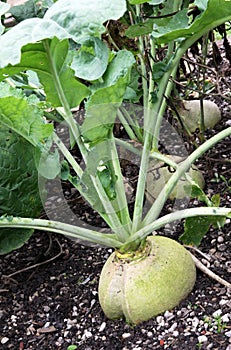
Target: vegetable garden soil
[[49, 294]]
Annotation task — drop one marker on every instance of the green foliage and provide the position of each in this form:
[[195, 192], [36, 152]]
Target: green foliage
[[90, 61], [106, 97], [19, 193], [24, 118], [32, 8], [72, 347], [196, 228], [108, 182], [82, 19], [178, 27], [50, 63]]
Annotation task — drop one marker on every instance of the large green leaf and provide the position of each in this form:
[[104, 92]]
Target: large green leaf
[[106, 97], [175, 27], [85, 18], [64, 19], [22, 117], [118, 68], [29, 31], [19, 194], [90, 61], [49, 60]]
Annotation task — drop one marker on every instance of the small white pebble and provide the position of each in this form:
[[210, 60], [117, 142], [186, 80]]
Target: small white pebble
[[228, 334], [168, 315], [223, 302], [126, 335], [75, 313], [46, 308], [4, 340], [175, 334], [220, 239], [217, 313], [173, 327], [225, 318], [186, 334], [149, 334], [102, 327], [86, 335], [195, 322], [202, 339], [46, 325], [160, 320]]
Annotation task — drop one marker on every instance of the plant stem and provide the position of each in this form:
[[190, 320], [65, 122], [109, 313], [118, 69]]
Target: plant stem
[[165, 89], [119, 229], [149, 123], [127, 126], [71, 160], [132, 122], [119, 187], [179, 215], [77, 232], [142, 63], [67, 111], [112, 217], [182, 168]]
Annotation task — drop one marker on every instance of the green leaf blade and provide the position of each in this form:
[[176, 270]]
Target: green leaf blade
[[25, 119], [29, 31], [19, 193], [90, 61], [50, 62], [102, 106], [195, 228], [85, 18], [167, 30]]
